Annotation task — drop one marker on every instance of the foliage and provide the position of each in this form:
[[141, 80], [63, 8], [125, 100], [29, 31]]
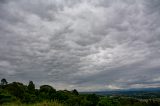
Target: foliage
[[55, 103], [6, 97], [27, 95], [4, 81], [47, 92], [93, 99], [31, 87], [75, 92], [16, 89], [105, 101]]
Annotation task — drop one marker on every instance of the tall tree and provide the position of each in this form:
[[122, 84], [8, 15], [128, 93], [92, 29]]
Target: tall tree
[[31, 87], [4, 81], [75, 92]]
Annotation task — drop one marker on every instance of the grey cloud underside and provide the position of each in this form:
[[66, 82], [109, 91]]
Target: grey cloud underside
[[82, 44]]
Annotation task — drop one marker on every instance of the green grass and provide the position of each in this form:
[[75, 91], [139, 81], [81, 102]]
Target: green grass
[[55, 103]]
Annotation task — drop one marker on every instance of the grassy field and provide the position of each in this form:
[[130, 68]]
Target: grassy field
[[37, 104]]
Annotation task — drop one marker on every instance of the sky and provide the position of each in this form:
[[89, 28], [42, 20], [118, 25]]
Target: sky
[[88, 45]]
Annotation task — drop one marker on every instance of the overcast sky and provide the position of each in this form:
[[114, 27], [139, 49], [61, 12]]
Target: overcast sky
[[81, 44]]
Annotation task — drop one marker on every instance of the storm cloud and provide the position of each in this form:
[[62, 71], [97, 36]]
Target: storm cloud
[[82, 44]]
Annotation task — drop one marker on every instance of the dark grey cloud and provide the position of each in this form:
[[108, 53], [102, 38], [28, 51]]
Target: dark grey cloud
[[82, 44]]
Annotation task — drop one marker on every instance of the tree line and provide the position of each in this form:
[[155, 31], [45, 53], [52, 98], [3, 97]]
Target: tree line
[[17, 91], [28, 94]]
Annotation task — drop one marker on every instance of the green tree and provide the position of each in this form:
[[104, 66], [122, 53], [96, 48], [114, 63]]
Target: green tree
[[105, 101], [31, 87], [4, 81], [75, 92], [93, 99], [16, 89], [47, 92]]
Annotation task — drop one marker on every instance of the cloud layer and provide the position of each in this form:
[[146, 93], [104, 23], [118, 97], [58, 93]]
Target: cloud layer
[[82, 44]]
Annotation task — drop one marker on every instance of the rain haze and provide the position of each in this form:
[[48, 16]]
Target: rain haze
[[87, 45]]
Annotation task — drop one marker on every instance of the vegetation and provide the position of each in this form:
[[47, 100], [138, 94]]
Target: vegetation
[[18, 94], [55, 103]]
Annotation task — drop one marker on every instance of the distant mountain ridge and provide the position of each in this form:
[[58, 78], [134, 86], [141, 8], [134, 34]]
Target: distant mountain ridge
[[124, 91]]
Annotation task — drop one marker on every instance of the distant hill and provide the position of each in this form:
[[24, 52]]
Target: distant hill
[[143, 93]]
